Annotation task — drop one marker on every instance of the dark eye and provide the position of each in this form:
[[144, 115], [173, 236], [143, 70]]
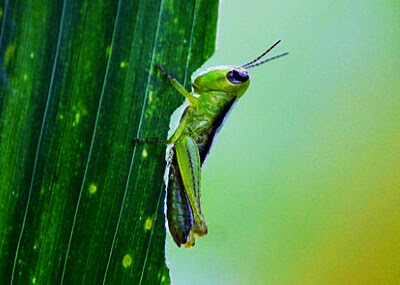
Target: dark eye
[[237, 76]]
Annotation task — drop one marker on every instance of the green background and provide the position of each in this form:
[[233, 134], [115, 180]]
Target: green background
[[303, 183]]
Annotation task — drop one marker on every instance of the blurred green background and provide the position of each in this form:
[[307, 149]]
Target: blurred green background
[[303, 183]]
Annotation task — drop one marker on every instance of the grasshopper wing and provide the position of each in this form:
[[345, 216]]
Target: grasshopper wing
[[179, 213]]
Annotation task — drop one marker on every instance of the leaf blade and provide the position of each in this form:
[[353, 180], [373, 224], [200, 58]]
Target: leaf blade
[[94, 213]]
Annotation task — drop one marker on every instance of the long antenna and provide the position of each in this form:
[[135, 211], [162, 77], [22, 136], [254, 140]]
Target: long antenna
[[267, 59], [261, 56]]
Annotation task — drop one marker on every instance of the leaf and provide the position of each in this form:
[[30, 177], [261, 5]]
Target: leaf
[[78, 202]]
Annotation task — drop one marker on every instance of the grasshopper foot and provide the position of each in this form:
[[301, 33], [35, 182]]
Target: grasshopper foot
[[161, 69], [190, 242], [200, 229]]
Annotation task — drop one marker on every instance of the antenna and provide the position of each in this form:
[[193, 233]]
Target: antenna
[[267, 59], [256, 62]]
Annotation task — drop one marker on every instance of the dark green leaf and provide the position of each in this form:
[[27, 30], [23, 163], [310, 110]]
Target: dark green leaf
[[78, 202]]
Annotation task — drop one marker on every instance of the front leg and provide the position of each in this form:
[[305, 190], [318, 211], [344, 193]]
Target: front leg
[[179, 87]]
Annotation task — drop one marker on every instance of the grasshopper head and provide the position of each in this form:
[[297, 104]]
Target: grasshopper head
[[231, 80]]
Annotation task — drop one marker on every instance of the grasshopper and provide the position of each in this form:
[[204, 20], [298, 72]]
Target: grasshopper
[[214, 93]]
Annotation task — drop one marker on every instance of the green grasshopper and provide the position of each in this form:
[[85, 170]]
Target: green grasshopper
[[214, 93]]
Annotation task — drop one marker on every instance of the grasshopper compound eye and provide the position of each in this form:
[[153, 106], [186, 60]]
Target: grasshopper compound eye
[[237, 76]]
